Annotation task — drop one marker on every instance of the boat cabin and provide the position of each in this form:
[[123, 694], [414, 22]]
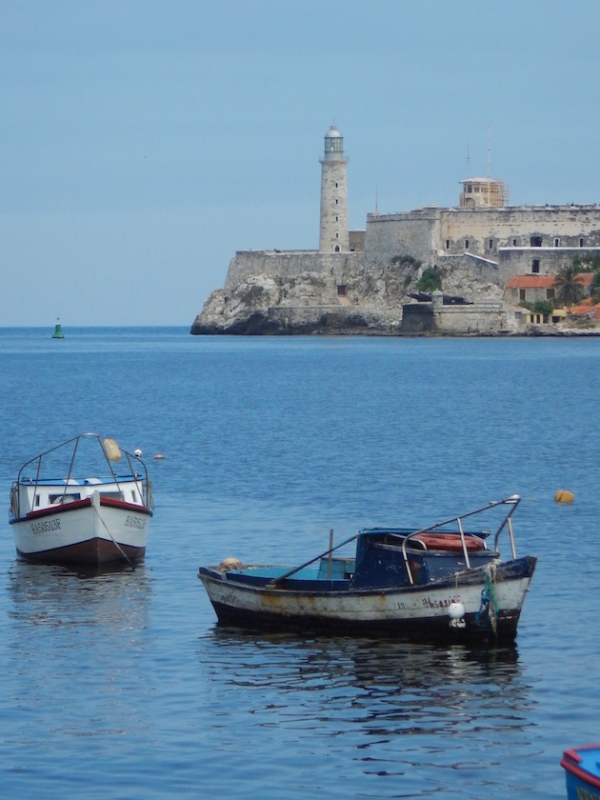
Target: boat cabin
[[397, 557], [31, 495]]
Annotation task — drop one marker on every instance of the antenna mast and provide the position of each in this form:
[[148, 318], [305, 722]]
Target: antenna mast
[[489, 163]]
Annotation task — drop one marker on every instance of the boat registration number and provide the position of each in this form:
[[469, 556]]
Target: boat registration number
[[135, 522], [443, 603], [45, 526]]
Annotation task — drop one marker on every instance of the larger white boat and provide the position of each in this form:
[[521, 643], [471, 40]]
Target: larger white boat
[[88, 515]]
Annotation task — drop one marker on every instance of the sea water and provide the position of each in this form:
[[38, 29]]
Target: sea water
[[121, 684]]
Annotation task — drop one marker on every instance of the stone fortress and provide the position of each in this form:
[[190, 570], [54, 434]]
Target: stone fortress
[[365, 281]]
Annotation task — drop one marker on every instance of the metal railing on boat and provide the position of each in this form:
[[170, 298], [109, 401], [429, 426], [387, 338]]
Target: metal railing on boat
[[512, 501]]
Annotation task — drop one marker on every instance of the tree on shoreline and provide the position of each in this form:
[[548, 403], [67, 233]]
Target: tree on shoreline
[[569, 284], [590, 263]]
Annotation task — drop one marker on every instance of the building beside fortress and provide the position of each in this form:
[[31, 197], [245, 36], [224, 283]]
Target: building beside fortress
[[364, 281]]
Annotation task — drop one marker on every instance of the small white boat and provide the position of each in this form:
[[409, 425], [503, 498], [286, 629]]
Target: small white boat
[[89, 515], [437, 582]]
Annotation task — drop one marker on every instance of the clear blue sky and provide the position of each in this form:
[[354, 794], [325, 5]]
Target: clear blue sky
[[143, 142]]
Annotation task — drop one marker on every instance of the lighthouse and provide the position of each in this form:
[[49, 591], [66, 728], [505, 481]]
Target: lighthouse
[[333, 235]]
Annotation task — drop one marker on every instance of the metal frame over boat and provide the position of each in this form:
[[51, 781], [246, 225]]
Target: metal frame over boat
[[435, 583], [91, 515]]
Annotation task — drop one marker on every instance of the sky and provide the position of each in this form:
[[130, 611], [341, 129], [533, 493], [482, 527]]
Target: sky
[[144, 142]]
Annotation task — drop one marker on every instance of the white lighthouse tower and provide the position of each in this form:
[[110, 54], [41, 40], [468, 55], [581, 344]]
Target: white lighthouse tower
[[333, 236]]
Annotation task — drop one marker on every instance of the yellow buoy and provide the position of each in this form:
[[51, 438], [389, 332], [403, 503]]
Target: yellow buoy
[[111, 448], [563, 496]]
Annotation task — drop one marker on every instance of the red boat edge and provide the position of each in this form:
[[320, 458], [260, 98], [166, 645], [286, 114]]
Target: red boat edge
[[578, 778]]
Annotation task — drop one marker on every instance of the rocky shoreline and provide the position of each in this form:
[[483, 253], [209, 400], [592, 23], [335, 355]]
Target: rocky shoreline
[[330, 324], [266, 295]]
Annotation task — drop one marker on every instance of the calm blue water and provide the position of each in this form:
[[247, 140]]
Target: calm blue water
[[121, 685]]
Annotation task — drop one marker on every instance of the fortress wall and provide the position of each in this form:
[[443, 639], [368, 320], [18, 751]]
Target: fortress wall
[[488, 229], [481, 269], [288, 265], [357, 240], [520, 261], [413, 233], [428, 233], [478, 318]]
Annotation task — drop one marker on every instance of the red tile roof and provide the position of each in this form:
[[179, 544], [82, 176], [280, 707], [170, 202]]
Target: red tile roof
[[531, 282], [584, 308], [544, 281]]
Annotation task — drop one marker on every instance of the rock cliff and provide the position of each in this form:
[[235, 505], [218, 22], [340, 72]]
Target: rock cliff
[[344, 297]]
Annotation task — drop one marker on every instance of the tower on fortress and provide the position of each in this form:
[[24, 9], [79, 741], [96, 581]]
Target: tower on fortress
[[333, 234]]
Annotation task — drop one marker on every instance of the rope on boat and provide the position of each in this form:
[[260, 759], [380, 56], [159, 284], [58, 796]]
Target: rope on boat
[[487, 616], [116, 544]]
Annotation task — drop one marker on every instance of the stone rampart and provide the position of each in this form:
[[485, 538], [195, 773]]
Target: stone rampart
[[428, 233], [288, 265], [538, 260], [413, 233], [481, 269], [478, 318]]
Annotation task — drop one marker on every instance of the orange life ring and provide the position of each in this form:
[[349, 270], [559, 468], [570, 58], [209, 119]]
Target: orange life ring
[[451, 541]]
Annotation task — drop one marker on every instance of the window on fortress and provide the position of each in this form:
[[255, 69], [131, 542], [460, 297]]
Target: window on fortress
[[337, 248], [549, 294], [556, 242], [522, 294], [490, 244], [535, 265], [447, 244], [341, 289], [466, 244], [581, 243], [535, 241], [514, 242]]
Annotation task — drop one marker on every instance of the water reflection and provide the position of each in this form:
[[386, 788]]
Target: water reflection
[[55, 595], [74, 657], [376, 662], [381, 688]]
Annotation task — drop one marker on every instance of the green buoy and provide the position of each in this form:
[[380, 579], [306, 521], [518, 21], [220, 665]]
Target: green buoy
[[58, 334]]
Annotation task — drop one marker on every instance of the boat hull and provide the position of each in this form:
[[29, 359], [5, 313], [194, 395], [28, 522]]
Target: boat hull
[[582, 772], [425, 611], [91, 531]]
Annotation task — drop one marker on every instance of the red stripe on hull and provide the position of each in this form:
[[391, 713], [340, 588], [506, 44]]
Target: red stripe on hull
[[54, 510], [112, 503]]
